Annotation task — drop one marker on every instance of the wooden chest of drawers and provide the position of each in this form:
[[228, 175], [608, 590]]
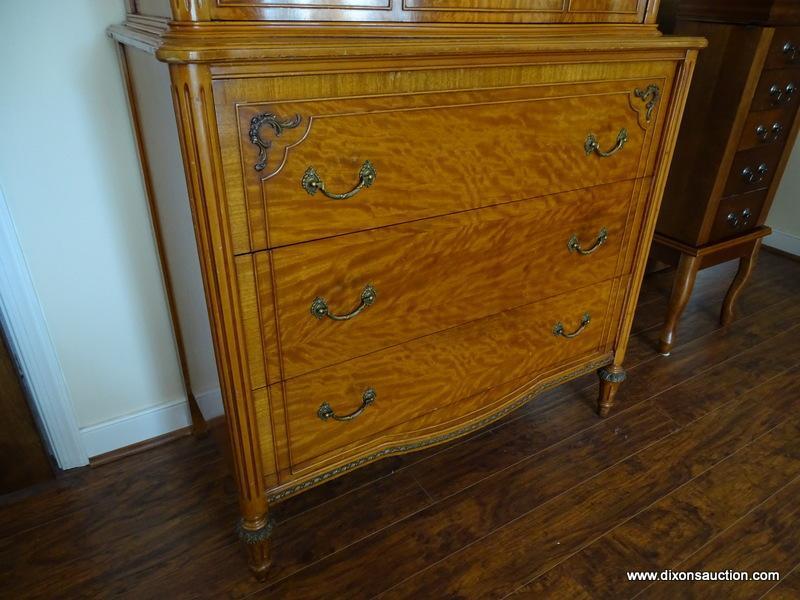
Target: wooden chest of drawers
[[407, 231], [738, 131]]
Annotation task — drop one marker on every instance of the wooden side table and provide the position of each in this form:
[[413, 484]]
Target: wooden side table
[[738, 131]]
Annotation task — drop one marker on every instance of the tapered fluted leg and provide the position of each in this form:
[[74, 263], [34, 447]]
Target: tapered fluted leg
[[746, 264], [257, 545], [681, 291], [610, 379]]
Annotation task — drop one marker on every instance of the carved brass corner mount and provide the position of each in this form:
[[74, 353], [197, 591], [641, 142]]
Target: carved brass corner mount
[[277, 125], [650, 95]]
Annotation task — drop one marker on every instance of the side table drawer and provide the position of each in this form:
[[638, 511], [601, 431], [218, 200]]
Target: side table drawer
[[785, 49], [737, 215], [777, 88], [753, 169]]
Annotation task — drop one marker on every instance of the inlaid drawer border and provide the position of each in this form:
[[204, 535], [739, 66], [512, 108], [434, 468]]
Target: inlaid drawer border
[[444, 437]]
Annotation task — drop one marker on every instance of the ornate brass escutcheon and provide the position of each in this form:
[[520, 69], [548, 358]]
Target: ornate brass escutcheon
[[319, 307], [558, 329], [650, 94], [592, 145], [325, 411], [574, 244], [312, 182], [277, 125]]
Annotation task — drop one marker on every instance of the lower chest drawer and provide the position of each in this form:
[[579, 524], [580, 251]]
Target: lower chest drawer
[[348, 296], [344, 407]]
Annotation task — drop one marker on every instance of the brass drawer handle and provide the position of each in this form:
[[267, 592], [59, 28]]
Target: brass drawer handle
[[790, 50], [325, 411], [592, 145], [574, 244], [312, 182], [751, 176], [763, 132], [558, 329], [319, 307]]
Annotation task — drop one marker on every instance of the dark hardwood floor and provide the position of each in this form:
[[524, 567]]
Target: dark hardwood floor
[[698, 468]]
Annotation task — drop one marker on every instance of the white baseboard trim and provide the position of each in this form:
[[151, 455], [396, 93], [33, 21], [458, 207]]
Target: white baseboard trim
[[147, 424], [783, 241], [138, 427]]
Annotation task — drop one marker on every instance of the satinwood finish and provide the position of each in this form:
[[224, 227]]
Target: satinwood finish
[[737, 134], [695, 469], [412, 217]]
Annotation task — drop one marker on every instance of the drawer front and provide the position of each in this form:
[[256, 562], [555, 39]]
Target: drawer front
[[470, 11], [355, 164], [395, 385], [764, 128], [737, 215], [785, 49], [753, 169], [778, 88], [437, 273]]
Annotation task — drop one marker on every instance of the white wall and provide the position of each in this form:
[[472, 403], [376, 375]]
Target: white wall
[[69, 170], [784, 216]]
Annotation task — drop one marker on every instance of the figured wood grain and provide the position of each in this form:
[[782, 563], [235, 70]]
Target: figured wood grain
[[314, 216], [151, 556], [403, 138], [474, 88], [459, 520], [461, 268], [437, 370], [465, 11]]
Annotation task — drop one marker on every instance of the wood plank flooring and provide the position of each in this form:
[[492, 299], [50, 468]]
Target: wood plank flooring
[[698, 468]]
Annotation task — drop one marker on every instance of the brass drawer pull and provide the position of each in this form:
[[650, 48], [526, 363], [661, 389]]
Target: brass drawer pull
[[763, 132], [790, 50], [312, 182], [751, 176], [319, 307], [558, 329], [592, 145], [325, 411], [574, 244]]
